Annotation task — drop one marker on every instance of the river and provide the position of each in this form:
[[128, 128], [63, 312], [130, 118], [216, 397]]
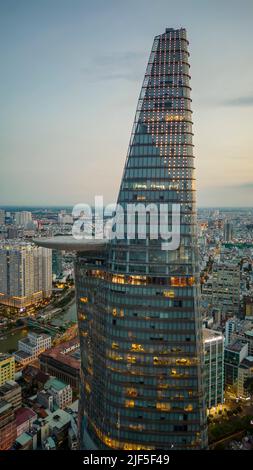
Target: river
[[10, 341]]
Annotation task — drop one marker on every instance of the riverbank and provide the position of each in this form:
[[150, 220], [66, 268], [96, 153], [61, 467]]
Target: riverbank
[[10, 339]]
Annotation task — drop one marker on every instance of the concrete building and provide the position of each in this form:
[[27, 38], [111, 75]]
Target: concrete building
[[63, 362], [234, 354], [11, 392], [12, 233], [226, 288], [245, 371], [26, 441], [61, 392], [25, 274], [56, 426], [8, 429], [214, 367], [230, 327], [22, 218], [7, 367], [33, 345]]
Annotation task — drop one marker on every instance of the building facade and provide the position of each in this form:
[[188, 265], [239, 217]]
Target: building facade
[[8, 428], [25, 274], [214, 367], [138, 305], [22, 218], [7, 367], [10, 391]]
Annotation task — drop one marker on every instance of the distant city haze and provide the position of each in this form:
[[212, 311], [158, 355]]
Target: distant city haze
[[71, 73]]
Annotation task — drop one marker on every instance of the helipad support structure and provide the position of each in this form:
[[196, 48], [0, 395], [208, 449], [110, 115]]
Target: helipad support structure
[[69, 243]]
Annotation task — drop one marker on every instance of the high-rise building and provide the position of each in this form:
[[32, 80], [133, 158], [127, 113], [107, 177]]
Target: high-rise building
[[7, 367], [25, 274], [2, 217], [10, 391], [214, 367], [61, 392], [22, 218], [226, 288], [12, 233], [142, 364], [31, 347], [245, 372], [141, 356], [228, 232]]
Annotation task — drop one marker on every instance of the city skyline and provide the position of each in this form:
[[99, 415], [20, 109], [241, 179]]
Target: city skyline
[[55, 100]]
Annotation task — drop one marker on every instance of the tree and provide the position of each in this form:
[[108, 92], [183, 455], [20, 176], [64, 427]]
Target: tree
[[248, 385]]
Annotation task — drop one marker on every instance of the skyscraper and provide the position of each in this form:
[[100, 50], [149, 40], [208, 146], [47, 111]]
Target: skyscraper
[[25, 273], [228, 232], [141, 343], [138, 307]]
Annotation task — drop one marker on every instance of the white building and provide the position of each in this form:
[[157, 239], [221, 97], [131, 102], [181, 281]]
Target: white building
[[229, 329], [226, 288], [61, 392], [34, 344], [25, 273], [22, 218]]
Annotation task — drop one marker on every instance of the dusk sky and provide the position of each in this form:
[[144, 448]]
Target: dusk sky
[[71, 73]]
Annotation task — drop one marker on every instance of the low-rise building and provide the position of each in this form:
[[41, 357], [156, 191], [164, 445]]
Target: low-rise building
[[61, 392], [234, 355], [7, 367], [245, 371], [10, 391], [24, 420], [31, 347]]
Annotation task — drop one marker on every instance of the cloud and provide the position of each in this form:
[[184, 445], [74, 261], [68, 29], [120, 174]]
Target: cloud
[[239, 101], [117, 66]]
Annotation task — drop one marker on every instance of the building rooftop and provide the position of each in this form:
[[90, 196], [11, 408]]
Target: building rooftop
[[23, 439], [236, 346], [8, 386], [58, 419], [249, 333], [55, 384], [211, 335], [64, 353], [21, 354], [23, 415], [50, 442]]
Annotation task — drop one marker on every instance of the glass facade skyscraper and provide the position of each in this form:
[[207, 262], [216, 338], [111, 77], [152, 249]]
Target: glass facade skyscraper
[[138, 304]]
